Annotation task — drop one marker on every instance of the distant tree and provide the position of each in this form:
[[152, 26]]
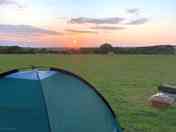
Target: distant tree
[[106, 48]]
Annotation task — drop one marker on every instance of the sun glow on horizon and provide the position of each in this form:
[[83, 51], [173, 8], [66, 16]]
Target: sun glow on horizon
[[89, 23]]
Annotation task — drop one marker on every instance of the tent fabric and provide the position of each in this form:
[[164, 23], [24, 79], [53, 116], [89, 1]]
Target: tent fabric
[[21, 106], [32, 75], [52, 100]]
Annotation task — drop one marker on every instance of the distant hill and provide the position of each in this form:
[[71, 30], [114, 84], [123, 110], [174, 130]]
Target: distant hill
[[161, 49]]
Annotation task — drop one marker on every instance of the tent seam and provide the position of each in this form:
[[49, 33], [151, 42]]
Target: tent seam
[[44, 101]]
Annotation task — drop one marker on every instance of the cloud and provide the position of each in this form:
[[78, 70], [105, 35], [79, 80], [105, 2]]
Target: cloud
[[133, 11], [84, 20], [10, 2], [108, 28], [25, 30], [8, 42], [6, 2], [81, 31], [138, 21]]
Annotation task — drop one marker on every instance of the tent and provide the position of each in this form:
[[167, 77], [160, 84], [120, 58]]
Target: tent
[[52, 100]]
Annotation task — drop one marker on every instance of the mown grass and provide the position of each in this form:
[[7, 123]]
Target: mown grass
[[126, 82]]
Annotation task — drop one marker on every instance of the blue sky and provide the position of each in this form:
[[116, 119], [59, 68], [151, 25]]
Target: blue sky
[[108, 7], [88, 21]]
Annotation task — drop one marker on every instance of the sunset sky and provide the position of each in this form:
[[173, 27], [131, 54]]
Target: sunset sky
[[80, 23]]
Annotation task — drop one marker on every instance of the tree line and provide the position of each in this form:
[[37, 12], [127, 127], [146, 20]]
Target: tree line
[[109, 49], [103, 49]]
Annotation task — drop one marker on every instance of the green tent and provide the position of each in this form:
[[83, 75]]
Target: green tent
[[52, 100]]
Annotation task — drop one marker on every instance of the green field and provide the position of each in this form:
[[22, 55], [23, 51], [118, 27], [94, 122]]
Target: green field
[[126, 82]]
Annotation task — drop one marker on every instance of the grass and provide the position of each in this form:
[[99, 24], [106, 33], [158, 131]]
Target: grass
[[126, 82]]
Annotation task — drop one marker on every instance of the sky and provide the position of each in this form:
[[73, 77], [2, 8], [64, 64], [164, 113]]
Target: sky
[[87, 23]]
